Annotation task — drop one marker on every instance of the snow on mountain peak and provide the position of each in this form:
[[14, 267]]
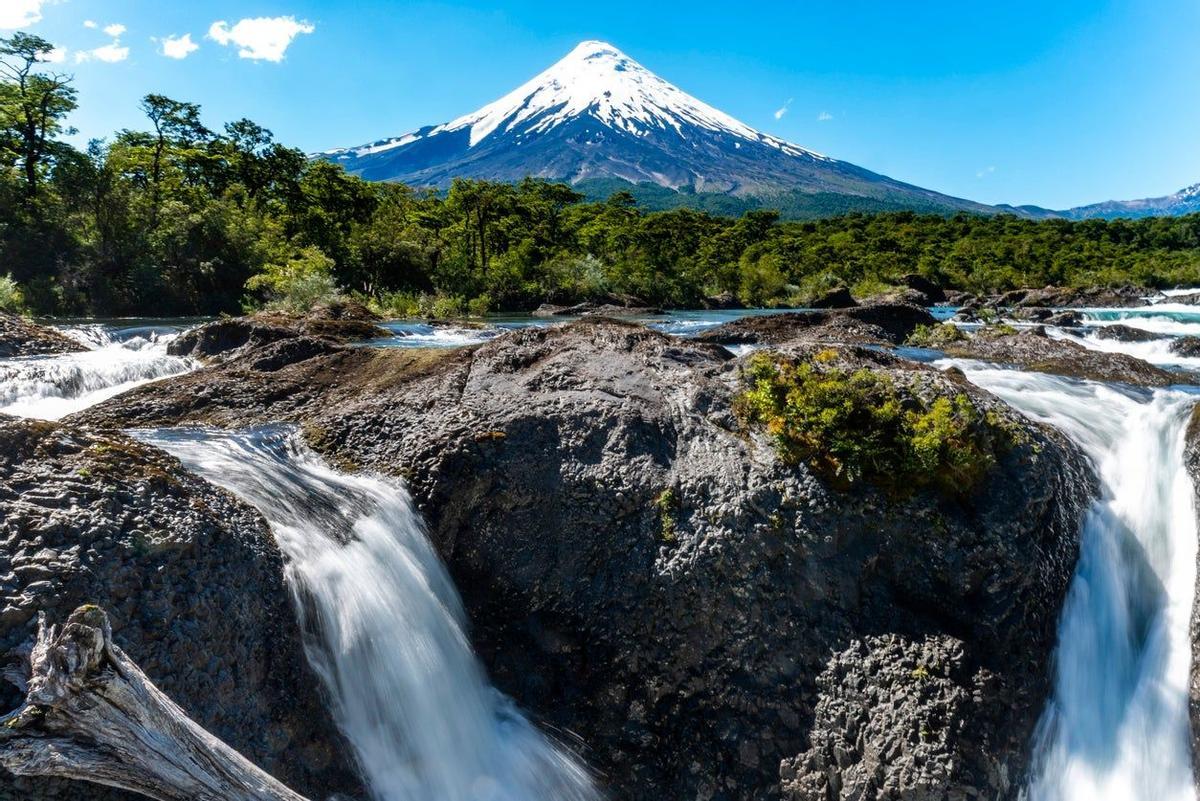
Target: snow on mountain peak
[[597, 80]]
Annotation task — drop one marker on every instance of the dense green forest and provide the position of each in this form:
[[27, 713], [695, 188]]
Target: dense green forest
[[179, 218]]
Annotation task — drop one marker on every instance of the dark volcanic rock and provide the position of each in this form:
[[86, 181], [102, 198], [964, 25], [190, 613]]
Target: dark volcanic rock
[[642, 571], [880, 323], [590, 309], [1186, 346], [223, 336], [725, 300], [1191, 460], [1034, 350], [933, 293], [905, 295], [20, 337], [1065, 319], [341, 322], [1124, 333], [193, 581], [1085, 297], [839, 298]]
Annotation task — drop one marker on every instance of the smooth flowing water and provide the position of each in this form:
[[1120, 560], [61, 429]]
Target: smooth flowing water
[[50, 387], [1116, 728], [385, 629]]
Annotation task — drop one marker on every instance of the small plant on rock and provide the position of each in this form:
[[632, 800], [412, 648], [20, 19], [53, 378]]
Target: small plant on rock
[[860, 426]]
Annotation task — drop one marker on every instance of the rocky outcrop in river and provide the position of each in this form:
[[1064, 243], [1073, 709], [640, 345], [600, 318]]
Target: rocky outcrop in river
[[1034, 349], [194, 582], [21, 337], [643, 569]]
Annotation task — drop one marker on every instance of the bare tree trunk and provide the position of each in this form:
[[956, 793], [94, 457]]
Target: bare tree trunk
[[91, 714]]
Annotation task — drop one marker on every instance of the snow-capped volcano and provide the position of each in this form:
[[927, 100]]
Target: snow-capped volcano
[[597, 113]]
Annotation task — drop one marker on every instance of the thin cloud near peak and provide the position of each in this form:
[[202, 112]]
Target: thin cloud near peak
[[779, 112], [824, 116], [260, 38]]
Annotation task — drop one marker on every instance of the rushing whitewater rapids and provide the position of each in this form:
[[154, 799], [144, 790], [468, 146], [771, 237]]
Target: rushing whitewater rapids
[[384, 628], [1116, 728], [51, 387]]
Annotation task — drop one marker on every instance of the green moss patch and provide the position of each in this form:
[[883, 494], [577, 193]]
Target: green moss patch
[[856, 426]]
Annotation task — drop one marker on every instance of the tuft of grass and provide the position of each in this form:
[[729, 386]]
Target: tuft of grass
[[666, 504], [852, 427]]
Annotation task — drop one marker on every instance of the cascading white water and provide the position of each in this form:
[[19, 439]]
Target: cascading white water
[[1116, 728], [385, 628], [50, 387]]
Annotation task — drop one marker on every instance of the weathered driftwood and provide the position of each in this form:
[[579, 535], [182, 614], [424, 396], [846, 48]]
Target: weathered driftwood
[[91, 714]]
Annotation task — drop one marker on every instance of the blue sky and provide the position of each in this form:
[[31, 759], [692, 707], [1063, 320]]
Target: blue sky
[[1054, 103]]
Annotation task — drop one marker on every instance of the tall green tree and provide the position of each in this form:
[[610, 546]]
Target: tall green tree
[[33, 105]]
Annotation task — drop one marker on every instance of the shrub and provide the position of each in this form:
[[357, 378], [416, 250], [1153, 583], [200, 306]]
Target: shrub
[[299, 283], [861, 426], [12, 300], [935, 336]]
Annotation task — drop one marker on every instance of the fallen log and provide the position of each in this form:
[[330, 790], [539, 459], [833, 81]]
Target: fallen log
[[90, 714]]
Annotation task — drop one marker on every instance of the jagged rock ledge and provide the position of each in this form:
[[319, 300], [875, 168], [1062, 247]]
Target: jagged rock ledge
[[638, 564], [21, 337], [195, 582]]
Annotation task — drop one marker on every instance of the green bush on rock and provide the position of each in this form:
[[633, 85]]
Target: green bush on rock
[[935, 336], [863, 426]]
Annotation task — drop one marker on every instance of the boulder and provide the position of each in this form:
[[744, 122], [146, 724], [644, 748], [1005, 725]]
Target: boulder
[[837, 298], [1077, 297], [1186, 346], [21, 337], [195, 585], [644, 570], [878, 323], [1033, 349], [1191, 460], [334, 323], [590, 309], [932, 291], [1065, 319], [724, 300], [1124, 333]]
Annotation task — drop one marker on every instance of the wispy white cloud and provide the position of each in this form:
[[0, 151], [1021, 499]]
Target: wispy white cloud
[[824, 116], [56, 56], [779, 112], [177, 47], [260, 38], [110, 53], [20, 13], [985, 172]]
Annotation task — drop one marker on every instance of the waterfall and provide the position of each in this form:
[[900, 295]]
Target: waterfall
[[384, 628], [53, 386], [1116, 727]]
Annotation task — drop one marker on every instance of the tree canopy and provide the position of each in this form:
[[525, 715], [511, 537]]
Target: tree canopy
[[178, 218]]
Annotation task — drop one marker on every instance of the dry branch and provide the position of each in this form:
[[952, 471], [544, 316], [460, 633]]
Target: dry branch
[[91, 714]]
